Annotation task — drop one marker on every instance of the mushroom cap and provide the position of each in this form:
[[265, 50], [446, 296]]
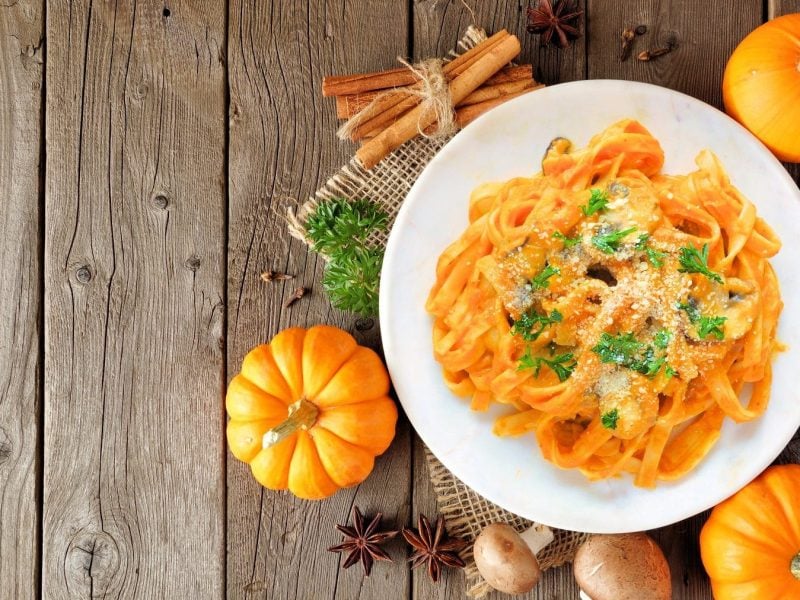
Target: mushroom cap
[[505, 561], [622, 567]]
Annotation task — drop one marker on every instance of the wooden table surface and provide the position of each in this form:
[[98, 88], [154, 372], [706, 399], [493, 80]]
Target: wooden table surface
[[147, 152]]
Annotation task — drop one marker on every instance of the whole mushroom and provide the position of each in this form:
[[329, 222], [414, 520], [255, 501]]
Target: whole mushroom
[[622, 567], [507, 559]]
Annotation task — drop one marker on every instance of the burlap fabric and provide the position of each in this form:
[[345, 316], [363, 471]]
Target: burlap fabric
[[387, 184]]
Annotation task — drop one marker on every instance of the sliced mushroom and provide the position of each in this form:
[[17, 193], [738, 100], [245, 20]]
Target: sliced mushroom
[[622, 567], [737, 300], [507, 559]]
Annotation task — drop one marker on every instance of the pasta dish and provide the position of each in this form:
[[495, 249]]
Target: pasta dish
[[620, 312]]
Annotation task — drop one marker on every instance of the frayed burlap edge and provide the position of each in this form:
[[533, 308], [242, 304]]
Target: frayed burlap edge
[[388, 183], [467, 513]]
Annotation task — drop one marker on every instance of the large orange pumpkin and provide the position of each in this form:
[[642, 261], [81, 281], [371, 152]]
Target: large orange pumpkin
[[751, 543], [761, 86], [310, 411]]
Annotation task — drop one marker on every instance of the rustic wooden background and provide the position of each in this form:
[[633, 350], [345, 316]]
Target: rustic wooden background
[[147, 150]]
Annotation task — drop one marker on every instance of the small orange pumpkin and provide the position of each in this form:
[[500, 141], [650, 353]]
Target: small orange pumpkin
[[751, 543], [310, 411], [761, 86]]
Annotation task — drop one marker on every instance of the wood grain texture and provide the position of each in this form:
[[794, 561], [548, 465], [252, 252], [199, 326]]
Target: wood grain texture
[[282, 147], [21, 80], [134, 300], [439, 24], [705, 34]]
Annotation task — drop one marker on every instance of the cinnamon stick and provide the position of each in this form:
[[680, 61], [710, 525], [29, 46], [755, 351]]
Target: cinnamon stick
[[386, 109], [467, 114], [420, 117], [349, 105]]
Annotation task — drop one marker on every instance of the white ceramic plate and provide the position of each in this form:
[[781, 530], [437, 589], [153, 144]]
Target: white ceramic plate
[[510, 141]]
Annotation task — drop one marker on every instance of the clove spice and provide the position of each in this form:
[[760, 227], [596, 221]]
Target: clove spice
[[647, 55], [298, 293], [628, 35], [270, 276]]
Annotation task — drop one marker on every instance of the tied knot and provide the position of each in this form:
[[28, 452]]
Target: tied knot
[[432, 89]]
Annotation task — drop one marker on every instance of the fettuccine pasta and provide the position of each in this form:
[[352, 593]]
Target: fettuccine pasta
[[619, 312]]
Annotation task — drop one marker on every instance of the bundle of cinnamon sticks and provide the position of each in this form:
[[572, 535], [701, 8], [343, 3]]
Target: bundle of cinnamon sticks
[[389, 108]]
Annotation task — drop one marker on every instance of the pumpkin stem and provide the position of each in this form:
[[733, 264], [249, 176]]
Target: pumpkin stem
[[302, 416], [795, 566]]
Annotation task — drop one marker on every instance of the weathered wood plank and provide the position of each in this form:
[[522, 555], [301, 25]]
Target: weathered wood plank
[[437, 28], [438, 25], [21, 78], [134, 300], [282, 146], [705, 35]]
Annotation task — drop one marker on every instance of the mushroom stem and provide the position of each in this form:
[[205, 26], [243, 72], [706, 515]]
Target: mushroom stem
[[537, 537]]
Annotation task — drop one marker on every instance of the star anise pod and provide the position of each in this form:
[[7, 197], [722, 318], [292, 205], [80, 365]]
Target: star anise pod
[[363, 543], [555, 17], [433, 547]]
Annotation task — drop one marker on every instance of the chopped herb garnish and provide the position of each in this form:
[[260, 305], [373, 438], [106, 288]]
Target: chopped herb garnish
[[568, 241], [670, 372], [711, 326], [662, 338], [625, 350], [609, 242], [696, 261], [609, 419], [531, 324], [656, 257], [541, 280], [706, 325], [562, 365], [597, 202]]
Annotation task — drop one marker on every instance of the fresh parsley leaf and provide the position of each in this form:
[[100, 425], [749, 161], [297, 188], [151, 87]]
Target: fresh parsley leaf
[[656, 257], [711, 326], [620, 349], [706, 324], [662, 338], [696, 261], [531, 324], [352, 279], [691, 310], [609, 419], [625, 350], [609, 242], [597, 202], [670, 372], [542, 279], [338, 225], [568, 241], [562, 365]]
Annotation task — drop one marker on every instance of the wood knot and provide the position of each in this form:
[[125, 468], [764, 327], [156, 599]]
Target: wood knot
[[192, 263], [92, 565], [364, 324], [5, 447], [160, 201], [83, 274]]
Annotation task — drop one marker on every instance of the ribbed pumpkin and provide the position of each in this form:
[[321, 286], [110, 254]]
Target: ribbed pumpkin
[[751, 543], [761, 86], [309, 411]]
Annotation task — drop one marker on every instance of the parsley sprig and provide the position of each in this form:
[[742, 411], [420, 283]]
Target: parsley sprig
[[597, 202], [339, 228], [696, 261], [609, 419], [562, 364], [625, 350], [706, 324], [532, 324], [568, 242], [542, 280], [609, 242], [656, 257]]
